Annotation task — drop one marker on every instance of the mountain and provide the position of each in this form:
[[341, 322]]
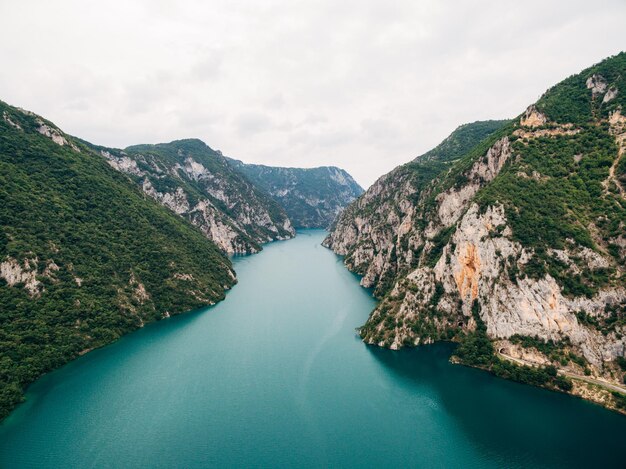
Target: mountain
[[515, 247], [85, 256], [312, 197], [462, 140], [197, 183]]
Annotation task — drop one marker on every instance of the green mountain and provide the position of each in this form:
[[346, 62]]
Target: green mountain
[[463, 139], [197, 183], [85, 256], [312, 197], [515, 246]]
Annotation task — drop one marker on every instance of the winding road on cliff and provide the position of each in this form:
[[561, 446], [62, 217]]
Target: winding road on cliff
[[596, 381]]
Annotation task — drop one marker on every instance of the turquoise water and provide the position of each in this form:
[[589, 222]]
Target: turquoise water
[[275, 377]]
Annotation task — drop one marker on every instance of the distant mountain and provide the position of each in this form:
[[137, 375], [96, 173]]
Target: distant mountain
[[197, 183], [85, 256], [514, 245], [312, 197]]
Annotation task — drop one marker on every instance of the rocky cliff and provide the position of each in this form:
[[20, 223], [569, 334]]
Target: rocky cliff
[[312, 197], [522, 236], [197, 183], [85, 256]]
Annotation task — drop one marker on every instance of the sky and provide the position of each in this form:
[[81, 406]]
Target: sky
[[363, 85]]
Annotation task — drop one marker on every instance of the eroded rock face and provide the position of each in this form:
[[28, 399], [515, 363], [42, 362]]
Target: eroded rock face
[[11, 122], [227, 236], [122, 163], [377, 233], [533, 118], [176, 201], [597, 84], [435, 256], [610, 95], [367, 242], [197, 183], [312, 197], [15, 273], [54, 134], [454, 201], [617, 123], [475, 267], [25, 274]]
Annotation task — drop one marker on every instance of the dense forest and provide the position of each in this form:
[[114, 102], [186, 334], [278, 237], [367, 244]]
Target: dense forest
[[518, 238], [84, 256], [312, 197]]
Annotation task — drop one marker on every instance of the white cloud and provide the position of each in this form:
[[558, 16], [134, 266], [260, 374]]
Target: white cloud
[[365, 85]]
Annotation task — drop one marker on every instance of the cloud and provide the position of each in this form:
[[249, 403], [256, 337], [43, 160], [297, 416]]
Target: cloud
[[361, 84], [251, 123], [208, 66]]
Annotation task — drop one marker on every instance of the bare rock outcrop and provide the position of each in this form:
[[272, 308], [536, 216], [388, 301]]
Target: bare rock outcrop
[[533, 118], [597, 84], [198, 184]]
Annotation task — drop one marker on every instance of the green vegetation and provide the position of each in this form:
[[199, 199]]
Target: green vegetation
[[418, 175], [613, 319], [561, 203], [439, 242], [107, 258], [232, 199], [572, 102], [555, 351], [553, 189], [620, 400], [562, 207], [312, 197], [461, 141], [476, 349]]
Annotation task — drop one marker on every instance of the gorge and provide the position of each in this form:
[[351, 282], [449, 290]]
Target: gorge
[[509, 236], [275, 376], [503, 248]]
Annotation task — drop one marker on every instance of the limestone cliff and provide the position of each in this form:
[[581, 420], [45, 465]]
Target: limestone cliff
[[312, 197], [524, 233], [197, 183]]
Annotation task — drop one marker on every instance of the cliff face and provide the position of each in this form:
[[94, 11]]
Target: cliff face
[[526, 230], [312, 197], [85, 257], [198, 184], [382, 234]]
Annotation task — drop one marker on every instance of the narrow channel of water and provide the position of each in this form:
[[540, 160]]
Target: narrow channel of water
[[276, 377]]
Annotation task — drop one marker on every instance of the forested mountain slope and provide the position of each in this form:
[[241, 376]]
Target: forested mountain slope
[[377, 214], [518, 247], [197, 183], [84, 256], [312, 197]]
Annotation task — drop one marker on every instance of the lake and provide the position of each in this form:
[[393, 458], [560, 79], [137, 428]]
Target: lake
[[275, 376]]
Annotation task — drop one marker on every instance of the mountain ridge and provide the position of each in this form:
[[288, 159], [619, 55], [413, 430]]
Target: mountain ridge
[[516, 246], [312, 197], [85, 256], [197, 183]]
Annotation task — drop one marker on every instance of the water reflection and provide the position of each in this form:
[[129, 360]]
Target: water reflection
[[551, 429]]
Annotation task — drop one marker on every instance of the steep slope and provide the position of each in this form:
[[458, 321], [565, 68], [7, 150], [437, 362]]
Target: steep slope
[[368, 229], [197, 183], [520, 244], [84, 256], [312, 197], [462, 140]]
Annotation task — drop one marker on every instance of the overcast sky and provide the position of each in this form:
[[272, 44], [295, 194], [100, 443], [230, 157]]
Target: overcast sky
[[364, 85]]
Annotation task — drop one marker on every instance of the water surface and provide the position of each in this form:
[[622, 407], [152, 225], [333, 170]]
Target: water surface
[[275, 377]]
